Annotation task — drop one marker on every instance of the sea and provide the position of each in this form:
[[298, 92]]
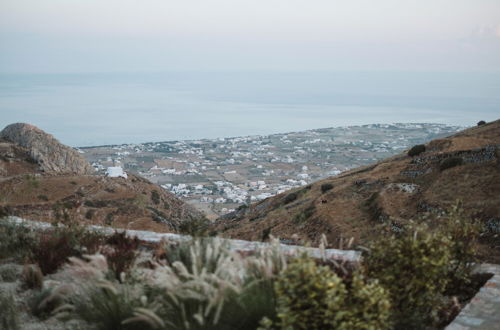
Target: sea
[[89, 109]]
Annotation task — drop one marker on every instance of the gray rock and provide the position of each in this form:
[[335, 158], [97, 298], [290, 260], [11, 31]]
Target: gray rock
[[50, 154]]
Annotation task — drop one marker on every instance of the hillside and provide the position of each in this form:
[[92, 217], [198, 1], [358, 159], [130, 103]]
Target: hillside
[[41, 179], [390, 192]]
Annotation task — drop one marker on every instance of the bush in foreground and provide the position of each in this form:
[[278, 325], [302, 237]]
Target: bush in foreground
[[314, 297], [414, 269]]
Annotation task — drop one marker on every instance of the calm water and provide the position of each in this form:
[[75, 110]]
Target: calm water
[[96, 109]]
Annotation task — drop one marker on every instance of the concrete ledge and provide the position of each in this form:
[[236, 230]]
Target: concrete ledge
[[483, 311], [348, 256]]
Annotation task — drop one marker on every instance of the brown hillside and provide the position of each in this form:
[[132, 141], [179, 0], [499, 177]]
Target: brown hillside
[[392, 191], [27, 190]]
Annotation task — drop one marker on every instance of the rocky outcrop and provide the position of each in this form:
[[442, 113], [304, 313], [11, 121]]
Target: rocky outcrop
[[50, 154]]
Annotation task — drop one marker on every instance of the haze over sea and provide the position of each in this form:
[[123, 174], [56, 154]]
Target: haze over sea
[[115, 108]]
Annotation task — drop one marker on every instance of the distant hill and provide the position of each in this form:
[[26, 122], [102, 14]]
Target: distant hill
[[41, 179], [464, 166]]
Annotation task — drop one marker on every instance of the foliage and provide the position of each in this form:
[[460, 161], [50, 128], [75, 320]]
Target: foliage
[[372, 207], [416, 150], [463, 234], [43, 198], [44, 302], [302, 217], [32, 277], [290, 198], [481, 123], [308, 295], [155, 197], [413, 267], [194, 226], [107, 305], [204, 285], [15, 240], [121, 252], [325, 187], [9, 314], [450, 162], [53, 247], [314, 297]]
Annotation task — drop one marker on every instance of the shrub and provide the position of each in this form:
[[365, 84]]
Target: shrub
[[15, 240], [450, 162], [5, 211], [121, 253], [9, 313], [463, 233], [307, 296], [107, 305], [372, 207], [155, 197], [53, 250], [89, 214], [53, 247], [194, 226], [291, 197], [204, 285], [44, 302], [43, 198], [413, 268], [416, 150], [302, 217], [314, 297], [325, 187], [32, 277], [9, 272], [481, 123]]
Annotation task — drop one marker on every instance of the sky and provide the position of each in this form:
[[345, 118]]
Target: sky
[[58, 36]]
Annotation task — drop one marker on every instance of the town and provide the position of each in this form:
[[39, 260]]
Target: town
[[219, 175]]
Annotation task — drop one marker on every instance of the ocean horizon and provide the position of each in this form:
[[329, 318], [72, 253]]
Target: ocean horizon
[[117, 108]]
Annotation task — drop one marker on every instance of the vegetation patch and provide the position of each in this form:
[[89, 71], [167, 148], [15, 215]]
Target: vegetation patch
[[155, 197], [326, 187], [416, 150], [371, 206], [302, 217], [450, 162]]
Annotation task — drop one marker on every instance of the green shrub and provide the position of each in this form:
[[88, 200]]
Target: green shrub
[[107, 306], [463, 233], [9, 313], [308, 295], [43, 198], [413, 268], [302, 217], [291, 197], [16, 240], [325, 187], [416, 150], [450, 162], [314, 297], [194, 226]]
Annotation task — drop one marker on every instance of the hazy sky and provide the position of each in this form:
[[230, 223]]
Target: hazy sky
[[136, 35]]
